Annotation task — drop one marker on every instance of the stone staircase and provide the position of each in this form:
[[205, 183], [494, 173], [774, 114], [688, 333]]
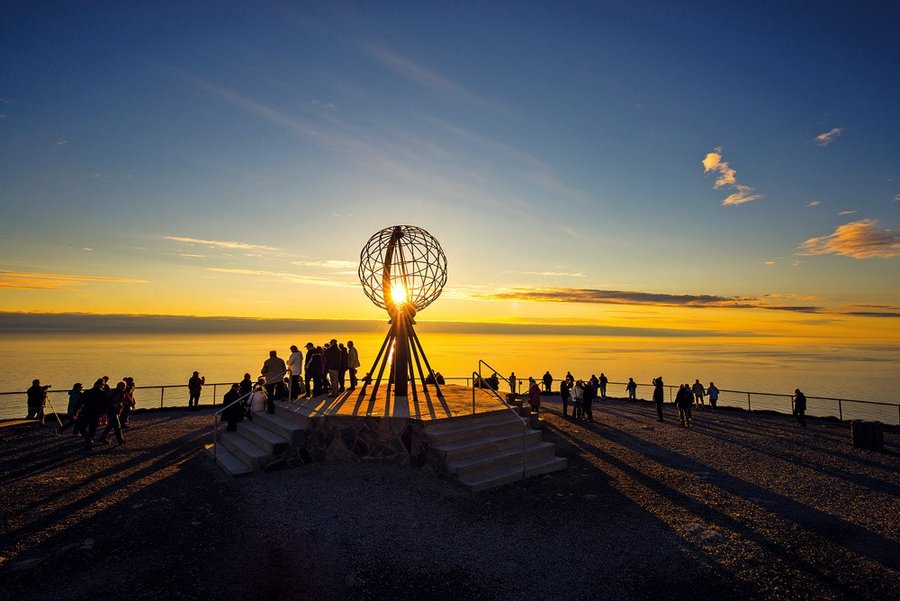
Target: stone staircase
[[490, 449], [260, 443], [480, 451]]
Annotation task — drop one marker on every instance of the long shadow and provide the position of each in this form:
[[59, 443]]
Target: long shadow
[[188, 445], [714, 516], [860, 479], [805, 445], [834, 529]]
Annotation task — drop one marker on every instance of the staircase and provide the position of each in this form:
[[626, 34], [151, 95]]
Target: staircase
[[490, 449], [260, 443]]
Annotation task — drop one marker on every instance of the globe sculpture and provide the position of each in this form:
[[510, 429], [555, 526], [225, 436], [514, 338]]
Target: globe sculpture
[[402, 269]]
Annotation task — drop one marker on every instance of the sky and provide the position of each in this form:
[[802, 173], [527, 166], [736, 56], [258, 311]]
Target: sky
[[723, 168]]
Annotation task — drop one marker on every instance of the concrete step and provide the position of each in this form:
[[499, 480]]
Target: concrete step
[[511, 474], [250, 454], [456, 451], [257, 433], [454, 423], [293, 412], [285, 427], [471, 468], [226, 460], [475, 430]]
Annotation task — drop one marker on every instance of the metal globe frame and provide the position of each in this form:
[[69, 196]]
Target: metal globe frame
[[407, 262]]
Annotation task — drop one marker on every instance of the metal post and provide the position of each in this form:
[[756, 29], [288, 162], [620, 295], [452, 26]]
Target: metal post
[[214, 394], [162, 394], [840, 411], [748, 401]]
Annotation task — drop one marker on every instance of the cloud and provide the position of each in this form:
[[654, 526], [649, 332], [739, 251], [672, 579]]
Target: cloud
[[727, 177], [770, 262], [858, 240], [227, 244], [285, 276], [62, 141], [846, 212], [743, 194], [25, 280], [829, 136], [554, 274], [425, 78], [328, 264], [623, 297], [813, 203], [897, 197]]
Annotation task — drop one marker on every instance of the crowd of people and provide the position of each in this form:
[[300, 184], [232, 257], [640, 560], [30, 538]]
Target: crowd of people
[[88, 410], [326, 369]]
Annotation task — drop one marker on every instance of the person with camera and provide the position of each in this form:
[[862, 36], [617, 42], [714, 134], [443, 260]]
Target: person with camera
[[37, 398]]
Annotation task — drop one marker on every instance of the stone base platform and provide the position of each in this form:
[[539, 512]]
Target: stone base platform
[[480, 443]]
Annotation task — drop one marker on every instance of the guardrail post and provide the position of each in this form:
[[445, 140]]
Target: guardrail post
[[214, 394], [840, 411], [748, 401], [162, 394]]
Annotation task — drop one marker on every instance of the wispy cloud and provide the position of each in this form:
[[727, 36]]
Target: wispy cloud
[[846, 212], [554, 274], [860, 240], [824, 139], [625, 297], [29, 280], [813, 203], [327, 264], [425, 78], [726, 177], [225, 244], [285, 276], [897, 198], [769, 263]]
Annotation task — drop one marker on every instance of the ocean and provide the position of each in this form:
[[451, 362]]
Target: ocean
[[865, 372]]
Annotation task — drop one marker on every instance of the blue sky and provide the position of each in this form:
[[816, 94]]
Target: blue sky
[[231, 145]]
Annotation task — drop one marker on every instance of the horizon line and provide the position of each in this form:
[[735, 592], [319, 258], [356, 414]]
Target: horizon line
[[76, 322]]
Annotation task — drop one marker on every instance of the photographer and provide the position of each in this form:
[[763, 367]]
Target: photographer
[[37, 397]]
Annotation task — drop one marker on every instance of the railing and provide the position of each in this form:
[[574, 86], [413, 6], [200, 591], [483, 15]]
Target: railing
[[13, 405], [525, 425]]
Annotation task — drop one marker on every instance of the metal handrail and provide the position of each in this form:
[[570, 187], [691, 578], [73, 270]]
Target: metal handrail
[[467, 380], [215, 430]]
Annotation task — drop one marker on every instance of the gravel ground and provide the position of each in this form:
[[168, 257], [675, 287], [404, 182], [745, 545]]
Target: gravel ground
[[739, 505]]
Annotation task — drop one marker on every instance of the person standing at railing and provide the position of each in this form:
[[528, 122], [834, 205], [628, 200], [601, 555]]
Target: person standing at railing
[[564, 396], [195, 387], [333, 363], [603, 382], [352, 362], [312, 370], [295, 366], [512, 383], [37, 397], [659, 396], [548, 382], [631, 389], [698, 392], [800, 407], [578, 399], [713, 393], [273, 369], [342, 370]]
